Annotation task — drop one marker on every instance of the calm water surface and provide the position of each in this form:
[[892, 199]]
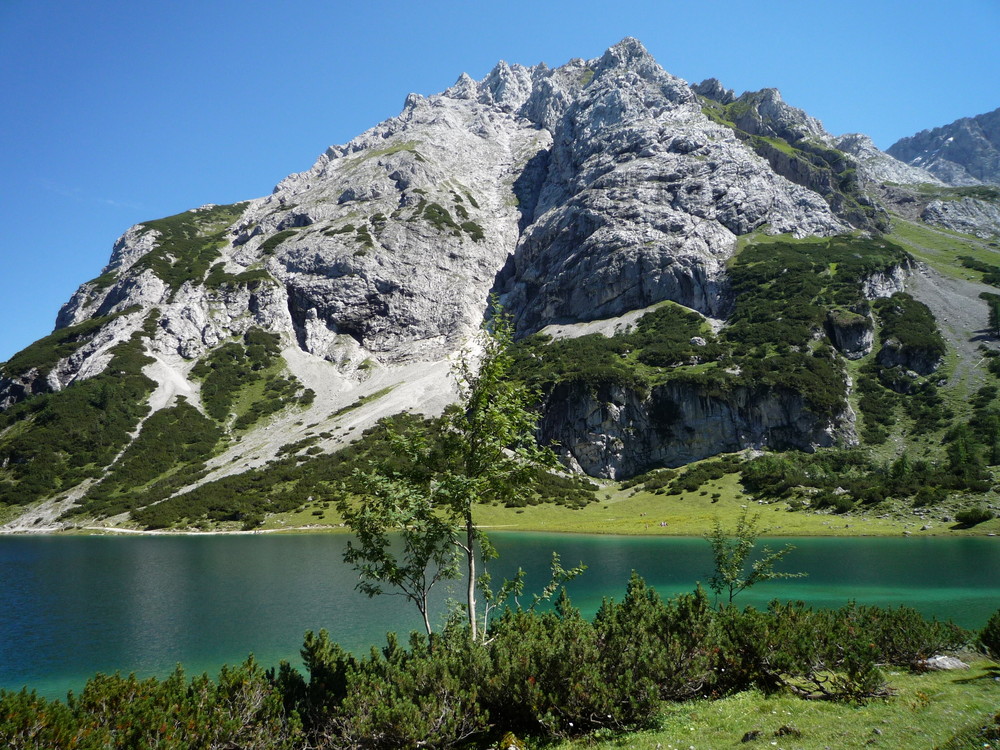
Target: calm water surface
[[73, 606]]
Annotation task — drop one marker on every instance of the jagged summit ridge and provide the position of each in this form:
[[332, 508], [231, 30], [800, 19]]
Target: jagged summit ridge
[[965, 152], [577, 192]]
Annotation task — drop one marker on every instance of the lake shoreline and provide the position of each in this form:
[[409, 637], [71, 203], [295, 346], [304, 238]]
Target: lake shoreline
[[113, 531]]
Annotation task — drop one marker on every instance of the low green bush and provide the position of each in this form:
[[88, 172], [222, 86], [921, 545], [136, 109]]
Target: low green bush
[[989, 636], [975, 515]]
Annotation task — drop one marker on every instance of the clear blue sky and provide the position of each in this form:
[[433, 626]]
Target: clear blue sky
[[116, 111]]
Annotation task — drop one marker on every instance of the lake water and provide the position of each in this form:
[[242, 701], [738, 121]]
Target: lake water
[[73, 606]]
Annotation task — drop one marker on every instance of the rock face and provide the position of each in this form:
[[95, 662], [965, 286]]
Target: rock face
[[845, 170], [878, 166], [965, 152], [969, 215], [640, 197], [851, 332], [615, 432]]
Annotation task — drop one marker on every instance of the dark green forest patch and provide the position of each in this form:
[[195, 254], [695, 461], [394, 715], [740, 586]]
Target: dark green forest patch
[[60, 439], [188, 244]]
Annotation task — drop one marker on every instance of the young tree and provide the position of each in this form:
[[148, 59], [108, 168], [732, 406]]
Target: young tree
[[485, 451], [489, 442], [403, 538], [731, 554]]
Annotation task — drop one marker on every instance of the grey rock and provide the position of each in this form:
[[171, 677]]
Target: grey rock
[[615, 432], [852, 333], [712, 88], [965, 152], [969, 215], [884, 284], [914, 361], [941, 663]]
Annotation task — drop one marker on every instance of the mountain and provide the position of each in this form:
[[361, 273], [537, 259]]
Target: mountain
[[965, 152], [690, 273]]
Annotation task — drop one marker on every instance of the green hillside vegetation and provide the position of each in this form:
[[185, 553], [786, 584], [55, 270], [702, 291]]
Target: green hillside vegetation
[[189, 243], [303, 482], [52, 442], [168, 454], [45, 353], [783, 291], [241, 382]]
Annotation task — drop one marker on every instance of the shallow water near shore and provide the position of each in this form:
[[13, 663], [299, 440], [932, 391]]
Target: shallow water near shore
[[74, 606]]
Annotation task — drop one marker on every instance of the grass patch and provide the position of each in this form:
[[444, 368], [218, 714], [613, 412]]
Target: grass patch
[[218, 278], [926, 712], [942, 249], [269, 245]]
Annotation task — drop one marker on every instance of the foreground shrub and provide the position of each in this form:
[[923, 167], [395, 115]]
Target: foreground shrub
[[989, 636], [426, 695], [656, 650], [901, 636], [813, 654], [975, 515], [240, 709], [546, 677]]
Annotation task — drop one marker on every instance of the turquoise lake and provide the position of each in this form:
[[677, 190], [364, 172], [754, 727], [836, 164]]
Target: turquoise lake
[[74, 606]]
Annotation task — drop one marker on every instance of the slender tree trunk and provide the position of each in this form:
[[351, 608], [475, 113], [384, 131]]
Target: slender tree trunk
[[427, 622], [471, 553]]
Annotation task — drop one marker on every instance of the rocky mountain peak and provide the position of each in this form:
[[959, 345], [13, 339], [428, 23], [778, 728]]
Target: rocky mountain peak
[[585, 195], [963, 153], [712, 88]]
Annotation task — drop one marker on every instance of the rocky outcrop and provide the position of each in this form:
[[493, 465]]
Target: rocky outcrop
[[615, 432], [20, 386], [877, 167], [851, 332], [884, 283], [965, 152], [968, 215], [909, 359]]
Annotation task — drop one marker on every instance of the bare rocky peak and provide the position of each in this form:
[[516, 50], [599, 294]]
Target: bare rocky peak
[[880, 167], [765, 113], [576, 192], [965, 152]]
